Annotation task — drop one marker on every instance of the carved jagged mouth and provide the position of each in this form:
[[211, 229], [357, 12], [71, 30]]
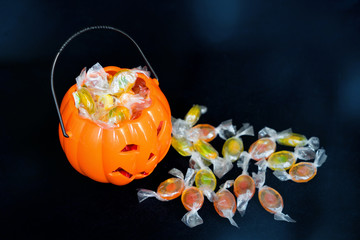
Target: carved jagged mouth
[[123, 172]]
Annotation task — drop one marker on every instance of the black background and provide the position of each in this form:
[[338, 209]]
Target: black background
[[270, 63]]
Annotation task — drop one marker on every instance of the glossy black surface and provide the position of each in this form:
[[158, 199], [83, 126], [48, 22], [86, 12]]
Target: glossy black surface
[[270, 63]]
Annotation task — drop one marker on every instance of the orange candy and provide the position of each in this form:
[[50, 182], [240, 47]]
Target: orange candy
[[270, 199], [224, 200], [303, 172], [262, 148], [171, 188], [243, 184], [192, 197]]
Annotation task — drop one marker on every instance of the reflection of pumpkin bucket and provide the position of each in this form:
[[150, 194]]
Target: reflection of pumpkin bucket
[[117, 155]]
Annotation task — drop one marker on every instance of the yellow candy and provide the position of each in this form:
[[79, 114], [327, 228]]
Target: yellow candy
[[86, 100], [122, 81], [106, 101], [281, 160], [182, 146], [194, 114], [205, 179], [119, 114], [292, 140], [232, 148], [206, 150]]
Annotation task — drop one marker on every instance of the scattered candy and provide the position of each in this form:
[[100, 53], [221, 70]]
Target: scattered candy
[[192, 117], [233, 146], [205, 179], [182, 146], [269, 198], [284, 160], [288, 138], [303, 171], [192, 199], [244, 185], [262, 148], [224, 202], [167, 190], [194, 140]]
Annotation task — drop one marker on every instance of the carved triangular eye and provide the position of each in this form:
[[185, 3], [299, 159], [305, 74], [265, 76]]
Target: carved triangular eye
[[151, 156], [130, 147]]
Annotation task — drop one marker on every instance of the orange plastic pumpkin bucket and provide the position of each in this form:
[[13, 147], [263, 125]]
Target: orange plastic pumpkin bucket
[[116, 155]]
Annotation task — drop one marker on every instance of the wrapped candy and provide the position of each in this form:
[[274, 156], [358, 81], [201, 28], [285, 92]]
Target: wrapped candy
[[107, 100], [269, 198], [85, 100], [262, 148], [205, 179], [183, 146], [192, 199], [207, 132], [185, 137], [167, 190], [233, 146], [94, 78], [284, 160], [221, 166], [288, 138], [192, 117], [122, 81], [303, 171], [224, 202], [244, 185]]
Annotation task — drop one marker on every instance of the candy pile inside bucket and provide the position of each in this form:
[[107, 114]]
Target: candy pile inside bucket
[[109, 100], [192, 140]]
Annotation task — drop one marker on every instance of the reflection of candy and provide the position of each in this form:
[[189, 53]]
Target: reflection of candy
[[86, 100], [271, 200], [262, 148], [192, 197], [292, 140], [244, 183], [182, 146], [232, 148], [281, 160], [194, 114], [205, 179], [206, 150], [171, 188]]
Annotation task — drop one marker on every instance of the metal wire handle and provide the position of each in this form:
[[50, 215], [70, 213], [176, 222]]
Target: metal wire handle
[[67, 42]]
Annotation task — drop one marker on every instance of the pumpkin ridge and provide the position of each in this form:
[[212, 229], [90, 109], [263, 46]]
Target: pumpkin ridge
[[94, 158], [73, 140]]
